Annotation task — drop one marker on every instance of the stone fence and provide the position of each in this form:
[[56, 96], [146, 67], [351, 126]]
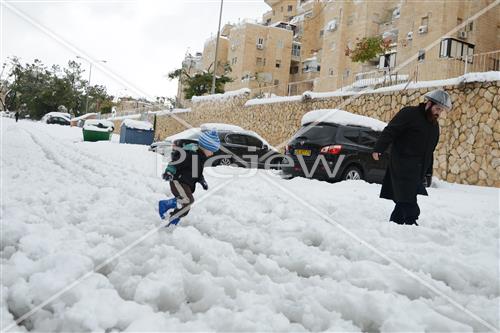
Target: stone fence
[[468, 151]]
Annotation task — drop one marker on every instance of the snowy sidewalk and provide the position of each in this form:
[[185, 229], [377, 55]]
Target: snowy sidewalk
[[249, 257]]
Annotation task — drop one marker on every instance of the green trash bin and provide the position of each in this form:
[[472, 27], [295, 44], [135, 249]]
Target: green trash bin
[[97, 130]]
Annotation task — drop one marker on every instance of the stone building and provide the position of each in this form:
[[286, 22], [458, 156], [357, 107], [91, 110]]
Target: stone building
[[300, 44]]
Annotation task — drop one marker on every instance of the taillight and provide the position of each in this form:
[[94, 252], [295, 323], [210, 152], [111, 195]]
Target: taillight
[[332, 150]]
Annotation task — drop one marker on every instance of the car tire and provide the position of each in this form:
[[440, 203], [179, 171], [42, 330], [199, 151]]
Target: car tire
[[226, 161], [352, 172]]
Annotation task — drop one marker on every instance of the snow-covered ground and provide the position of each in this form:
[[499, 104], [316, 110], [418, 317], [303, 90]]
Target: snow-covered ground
[[256, 253]]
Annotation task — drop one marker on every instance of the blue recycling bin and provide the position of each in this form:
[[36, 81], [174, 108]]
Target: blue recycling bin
[[136, 132]]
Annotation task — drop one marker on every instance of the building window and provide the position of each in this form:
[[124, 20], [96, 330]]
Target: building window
[[330, 72], [387, 61], [258, 61], [290, 8], [321, 33], [260, 41], [278, 63], [453, 48], [268, 21], [333, 46], [296, 50], [421, 55], [279, 44], [276, 82], [294, 69], [350, 19], [311, 66], [282, 9], [424, 20]]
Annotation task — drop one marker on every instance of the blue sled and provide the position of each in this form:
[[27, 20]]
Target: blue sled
[[166, 205]]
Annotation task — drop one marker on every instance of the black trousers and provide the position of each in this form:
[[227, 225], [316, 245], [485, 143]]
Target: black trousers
[[405, 213]]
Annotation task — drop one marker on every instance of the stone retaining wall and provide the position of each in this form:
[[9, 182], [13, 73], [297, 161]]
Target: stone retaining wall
[[468, 150]]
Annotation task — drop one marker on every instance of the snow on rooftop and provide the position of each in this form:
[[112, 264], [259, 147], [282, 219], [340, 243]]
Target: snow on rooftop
[[136, 124], [342, 117], [219, 97]]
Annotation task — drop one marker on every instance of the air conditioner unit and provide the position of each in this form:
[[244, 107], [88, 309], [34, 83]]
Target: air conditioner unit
[[260, 46], [422, 29], [409, 35], [462, 34], [332, 26]]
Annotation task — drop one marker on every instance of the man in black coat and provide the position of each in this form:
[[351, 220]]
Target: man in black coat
[[414, 134]]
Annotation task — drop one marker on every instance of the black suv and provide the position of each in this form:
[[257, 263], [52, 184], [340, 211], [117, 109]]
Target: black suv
[[334, 152], [241, 148]]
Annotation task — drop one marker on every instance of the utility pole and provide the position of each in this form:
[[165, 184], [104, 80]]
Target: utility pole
[[90, 76], [217, 48]]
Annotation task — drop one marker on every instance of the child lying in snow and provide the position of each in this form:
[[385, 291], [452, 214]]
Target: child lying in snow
[[183, 172]]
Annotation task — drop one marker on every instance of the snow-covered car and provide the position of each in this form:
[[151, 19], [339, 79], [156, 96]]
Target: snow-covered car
[[335, 145], [239, 146], [60, 118]]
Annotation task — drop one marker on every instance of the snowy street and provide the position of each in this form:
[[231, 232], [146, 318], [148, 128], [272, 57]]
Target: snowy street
[[256, 252]]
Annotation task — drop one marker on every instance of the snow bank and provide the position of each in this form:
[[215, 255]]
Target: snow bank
[[142, 125], [249, 256], [274, 99], [220, 97], [342, 118], [132, 116], [168, 112], [347, 91], [470, 77]]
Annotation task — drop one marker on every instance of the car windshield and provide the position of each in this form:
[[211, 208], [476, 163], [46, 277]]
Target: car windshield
[[319, 133]]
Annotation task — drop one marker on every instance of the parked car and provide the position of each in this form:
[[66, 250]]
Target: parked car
[[240, 147], [335, 145], [58, 120]]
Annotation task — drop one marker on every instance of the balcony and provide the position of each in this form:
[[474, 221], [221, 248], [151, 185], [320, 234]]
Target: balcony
[[272, 2]]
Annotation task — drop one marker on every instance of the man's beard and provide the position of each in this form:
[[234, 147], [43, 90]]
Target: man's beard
[[432, 118]]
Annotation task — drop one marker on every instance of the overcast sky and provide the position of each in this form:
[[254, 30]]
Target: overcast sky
[[140, 40]]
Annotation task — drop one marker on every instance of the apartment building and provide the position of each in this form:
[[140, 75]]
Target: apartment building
[[423, 43], [222, 52], [301, 44], [260, 58]]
